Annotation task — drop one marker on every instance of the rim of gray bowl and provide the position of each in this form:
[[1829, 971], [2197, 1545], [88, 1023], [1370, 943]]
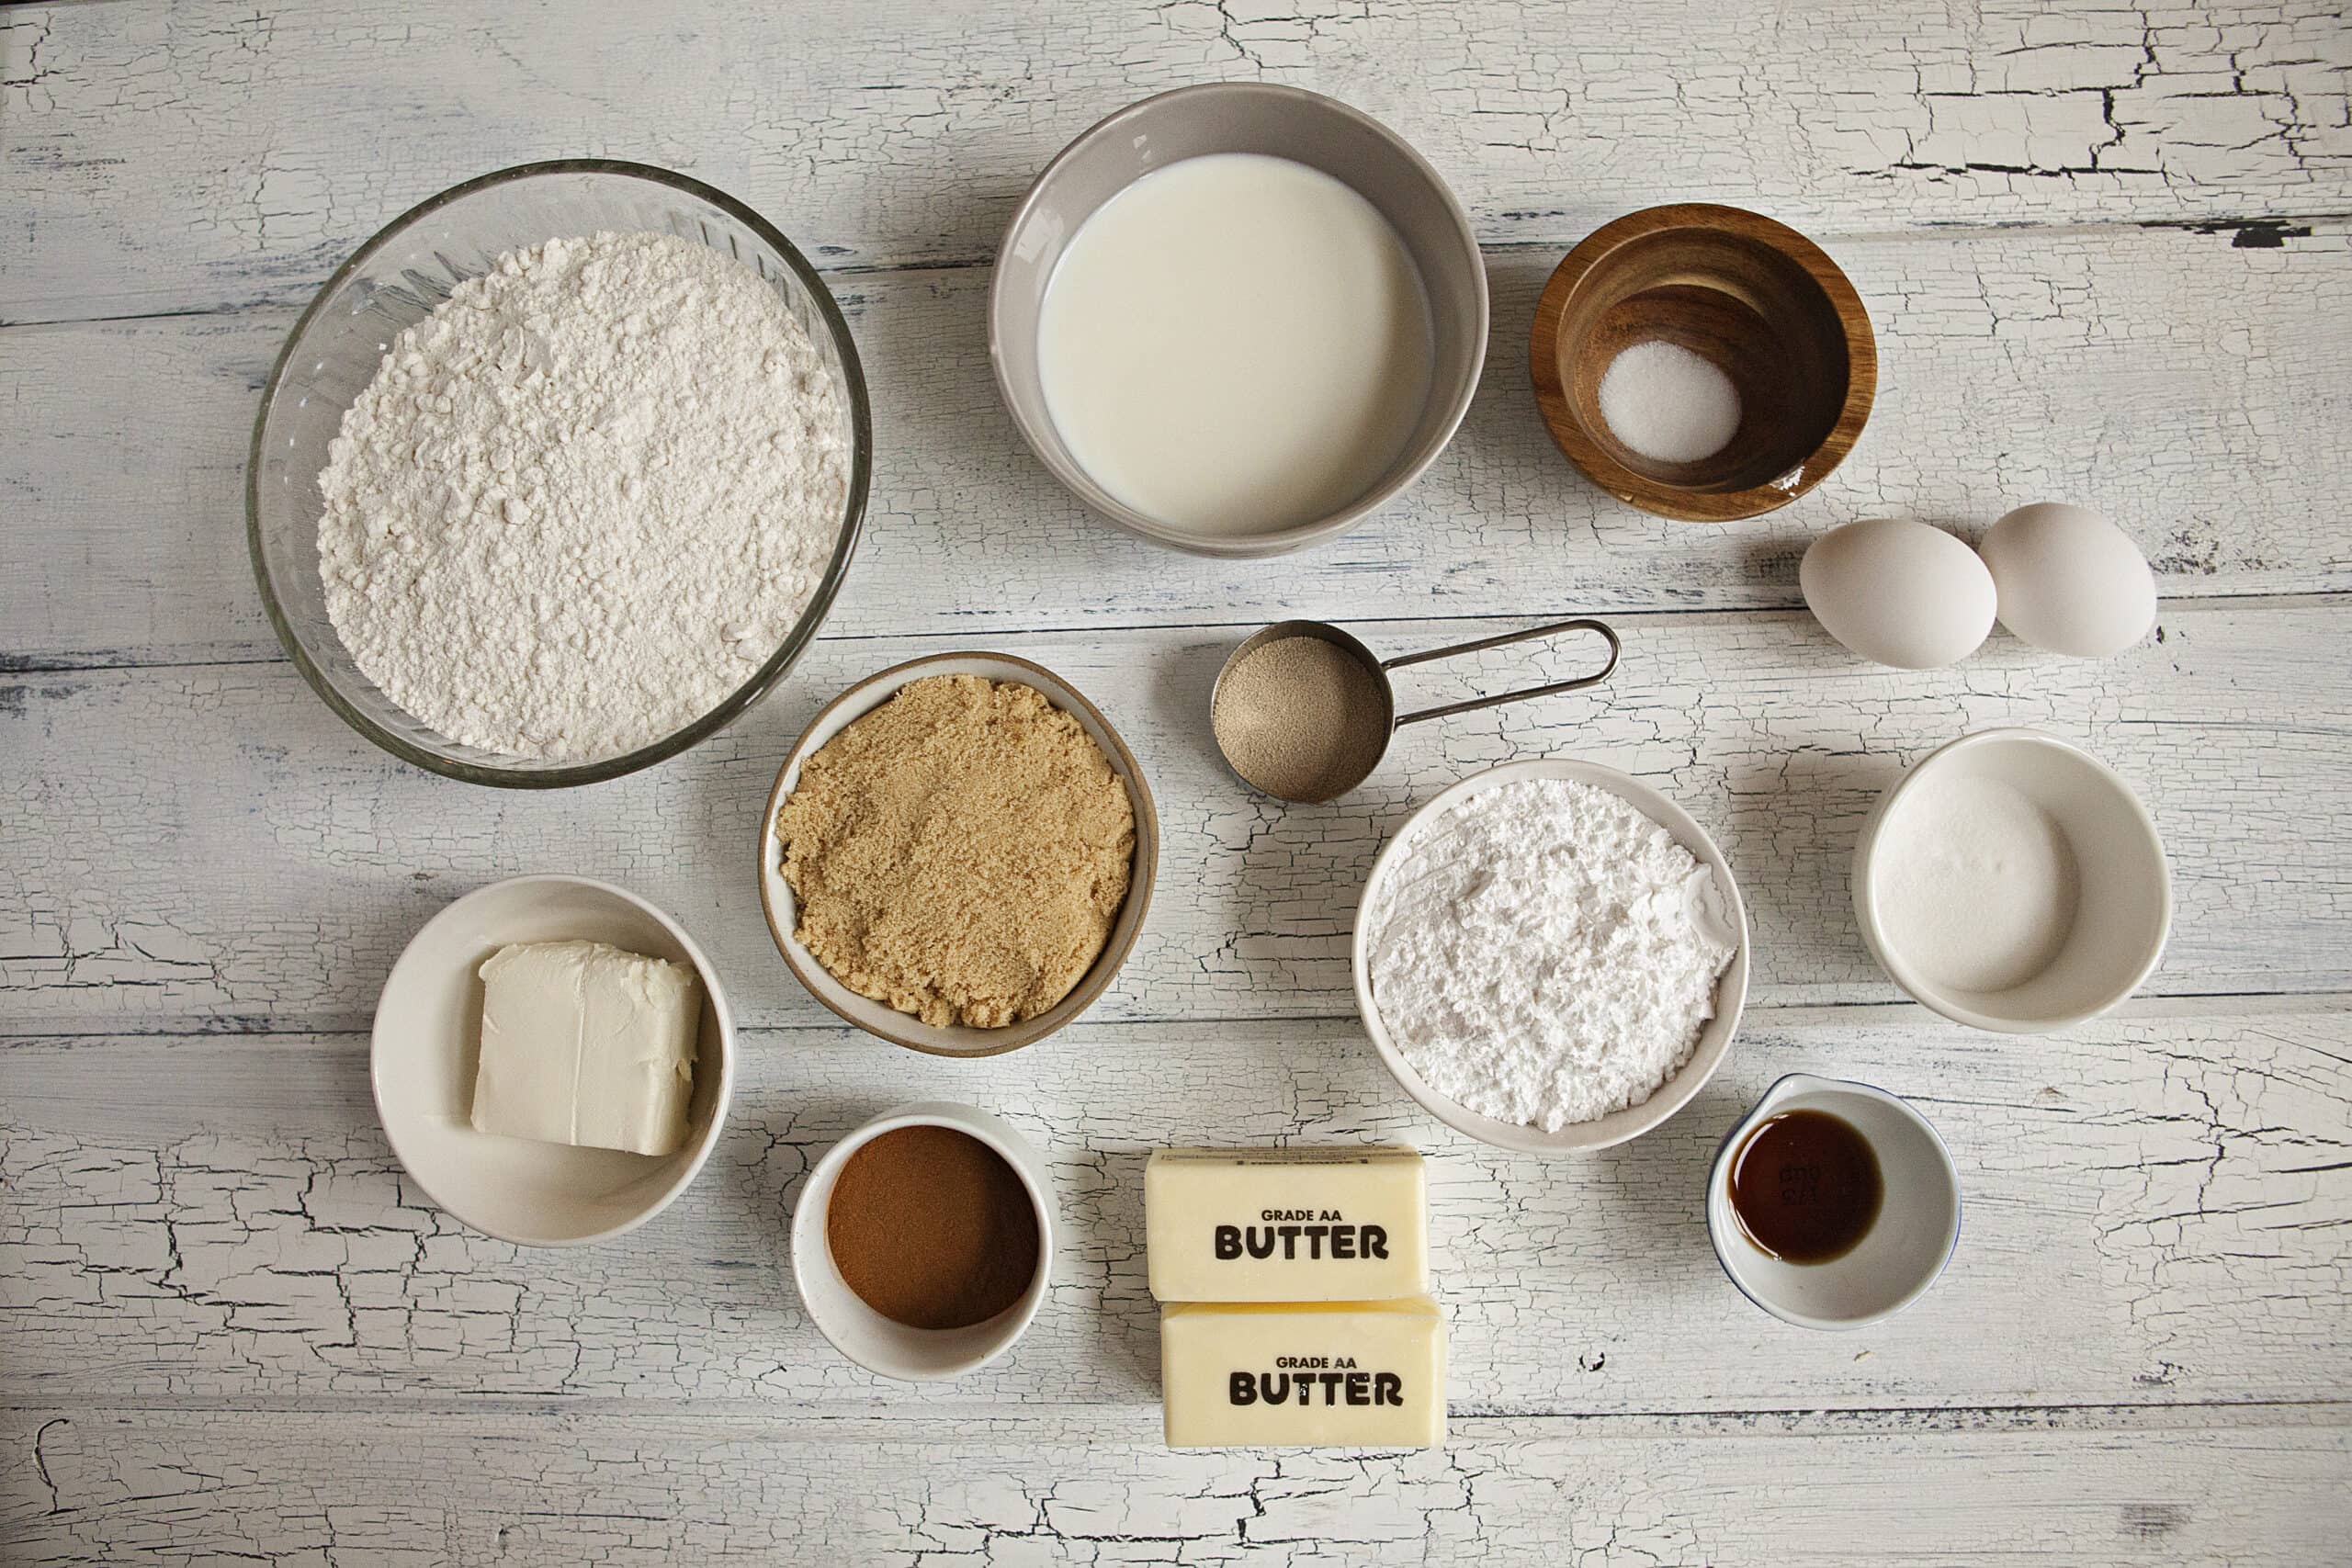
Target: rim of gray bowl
[[1280, 541], [763, 680]]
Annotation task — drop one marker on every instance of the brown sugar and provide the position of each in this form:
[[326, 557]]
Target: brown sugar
[[960, 852], [932, 1228]]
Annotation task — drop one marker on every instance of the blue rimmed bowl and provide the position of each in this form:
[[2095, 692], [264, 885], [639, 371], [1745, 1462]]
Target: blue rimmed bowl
[[1906, 1249]]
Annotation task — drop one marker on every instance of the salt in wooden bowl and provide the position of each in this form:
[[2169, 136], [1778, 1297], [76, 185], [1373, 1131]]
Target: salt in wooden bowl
[[1754, 299]]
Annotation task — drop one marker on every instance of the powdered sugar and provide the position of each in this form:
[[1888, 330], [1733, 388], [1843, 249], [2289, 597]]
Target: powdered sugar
[[1534, 952], [585, 498]]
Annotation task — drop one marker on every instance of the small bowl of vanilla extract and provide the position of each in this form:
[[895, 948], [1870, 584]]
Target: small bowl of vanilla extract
[[1833, 1204]]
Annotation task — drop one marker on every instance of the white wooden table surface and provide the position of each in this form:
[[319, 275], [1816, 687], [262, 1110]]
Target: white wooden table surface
[[2109, 252]]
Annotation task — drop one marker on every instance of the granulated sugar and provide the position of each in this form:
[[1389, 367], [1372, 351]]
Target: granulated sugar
[[585, 498], [1976, 884], [1668, 404], [1534, 956]]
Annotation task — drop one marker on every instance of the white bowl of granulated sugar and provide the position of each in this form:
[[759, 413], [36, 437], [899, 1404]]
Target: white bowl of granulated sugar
[[1551, 956]]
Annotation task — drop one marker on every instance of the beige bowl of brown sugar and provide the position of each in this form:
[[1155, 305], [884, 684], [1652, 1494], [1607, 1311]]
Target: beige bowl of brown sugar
[[879, 1018]]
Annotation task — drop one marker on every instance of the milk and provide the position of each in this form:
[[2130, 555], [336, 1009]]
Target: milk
[[1236, 343]]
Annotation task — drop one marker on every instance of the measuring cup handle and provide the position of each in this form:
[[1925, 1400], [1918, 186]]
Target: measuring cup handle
[[1557, 687]]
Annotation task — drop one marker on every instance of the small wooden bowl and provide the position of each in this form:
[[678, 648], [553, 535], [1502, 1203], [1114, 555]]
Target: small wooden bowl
[[1755, 298]]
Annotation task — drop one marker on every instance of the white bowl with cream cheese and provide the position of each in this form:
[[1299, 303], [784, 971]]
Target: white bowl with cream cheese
[[426, 1048]]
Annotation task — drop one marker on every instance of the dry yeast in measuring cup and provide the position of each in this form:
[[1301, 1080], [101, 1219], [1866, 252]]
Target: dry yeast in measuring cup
[[1303, 712]]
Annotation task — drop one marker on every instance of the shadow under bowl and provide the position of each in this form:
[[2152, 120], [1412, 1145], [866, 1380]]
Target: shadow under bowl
[[1754, 298]]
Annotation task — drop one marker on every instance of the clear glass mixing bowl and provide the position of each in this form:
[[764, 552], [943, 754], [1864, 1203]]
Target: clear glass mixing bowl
[[396, 279]]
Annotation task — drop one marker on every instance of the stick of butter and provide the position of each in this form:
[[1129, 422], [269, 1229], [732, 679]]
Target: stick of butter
[[1332, 1374], [584, 1043], [1341, 1224]]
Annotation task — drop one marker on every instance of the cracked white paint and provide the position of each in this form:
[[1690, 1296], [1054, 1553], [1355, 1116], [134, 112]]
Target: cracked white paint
[[225, 1222], [480, 1486], [2087, 366], [2107, 254], [253, 147]]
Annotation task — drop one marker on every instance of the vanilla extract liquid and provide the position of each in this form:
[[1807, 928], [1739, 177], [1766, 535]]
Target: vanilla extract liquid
[[1806, 1187]]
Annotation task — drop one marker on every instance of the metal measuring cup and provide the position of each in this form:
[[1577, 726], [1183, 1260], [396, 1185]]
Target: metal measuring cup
[[1345, 738]]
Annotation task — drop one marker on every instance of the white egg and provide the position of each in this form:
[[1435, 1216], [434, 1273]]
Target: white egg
[[1898, 592], [2070, 580]]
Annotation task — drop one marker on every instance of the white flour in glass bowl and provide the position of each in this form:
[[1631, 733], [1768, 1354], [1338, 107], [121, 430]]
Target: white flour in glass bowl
[[1535, 954], [584, 499]]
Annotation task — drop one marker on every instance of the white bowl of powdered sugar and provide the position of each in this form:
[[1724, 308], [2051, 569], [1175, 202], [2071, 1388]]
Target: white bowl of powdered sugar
[[1551, 956]]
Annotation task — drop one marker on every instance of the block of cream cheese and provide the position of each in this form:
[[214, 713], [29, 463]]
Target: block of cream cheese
[[1330, 1374], [584, 1043], [1337, 1225]]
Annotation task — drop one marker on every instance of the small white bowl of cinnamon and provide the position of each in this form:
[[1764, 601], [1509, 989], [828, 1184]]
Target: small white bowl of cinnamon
[[923, 1241]]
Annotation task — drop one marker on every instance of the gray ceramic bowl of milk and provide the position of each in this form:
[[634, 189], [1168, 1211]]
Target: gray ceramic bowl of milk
[[1238, 318]]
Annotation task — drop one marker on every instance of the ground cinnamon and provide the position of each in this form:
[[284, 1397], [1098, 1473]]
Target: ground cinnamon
[[932, 1228]]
